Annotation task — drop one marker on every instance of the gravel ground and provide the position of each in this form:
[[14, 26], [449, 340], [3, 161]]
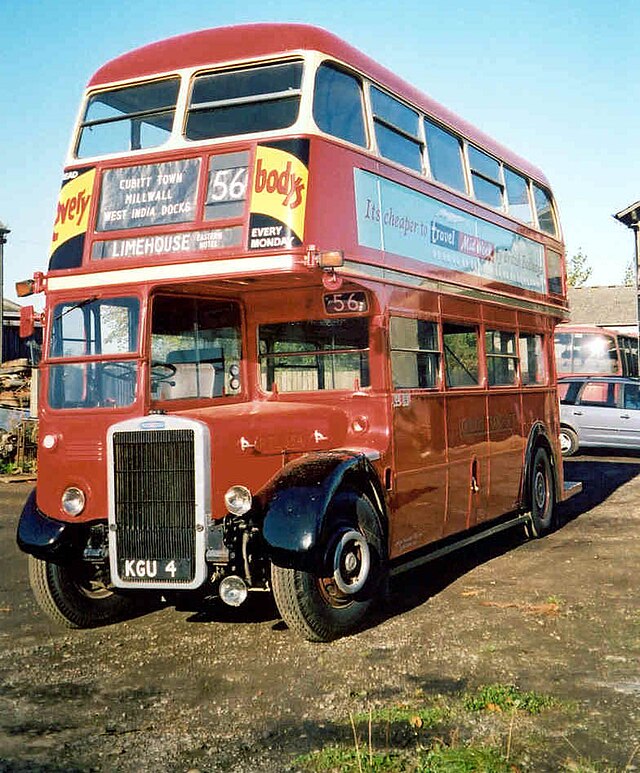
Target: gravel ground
[[234, 690]]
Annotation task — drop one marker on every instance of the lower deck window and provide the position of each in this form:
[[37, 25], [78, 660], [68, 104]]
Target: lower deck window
[[195, 348], [533, 364], [460, 355], [502, 360], [314, 355], [415, 355]]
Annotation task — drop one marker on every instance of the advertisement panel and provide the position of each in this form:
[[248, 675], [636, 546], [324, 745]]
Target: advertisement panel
[[396, 219], [72, 218], [279, 195]]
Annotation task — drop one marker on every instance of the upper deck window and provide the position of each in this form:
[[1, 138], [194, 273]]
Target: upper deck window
[[518, 196], [397, 130], [244, 100], [544, 208], [128, 118], [486, 175], [445, 156], [337, 105]]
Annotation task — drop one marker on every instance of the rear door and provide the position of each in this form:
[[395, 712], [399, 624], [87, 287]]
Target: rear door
[[596, 413]]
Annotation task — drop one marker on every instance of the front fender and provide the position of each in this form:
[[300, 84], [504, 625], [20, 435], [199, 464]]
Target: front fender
[[46, 538], [296, 502]]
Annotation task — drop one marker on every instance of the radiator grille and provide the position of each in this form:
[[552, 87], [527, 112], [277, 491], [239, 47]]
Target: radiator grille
[[154, 505]]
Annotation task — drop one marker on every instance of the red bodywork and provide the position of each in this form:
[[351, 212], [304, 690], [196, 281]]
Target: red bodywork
[[447, 459]]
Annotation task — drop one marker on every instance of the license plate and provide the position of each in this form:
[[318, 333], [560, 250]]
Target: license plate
[[153, 569]]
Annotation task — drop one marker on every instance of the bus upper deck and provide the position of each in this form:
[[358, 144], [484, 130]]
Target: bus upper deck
[[182, 156]]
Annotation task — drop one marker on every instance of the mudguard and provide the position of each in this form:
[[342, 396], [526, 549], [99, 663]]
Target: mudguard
[[295, 504], [46, 538], [538, 436]]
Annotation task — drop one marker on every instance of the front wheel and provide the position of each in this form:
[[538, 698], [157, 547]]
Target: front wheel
[[541, 494], [336, 601], [74, 595]]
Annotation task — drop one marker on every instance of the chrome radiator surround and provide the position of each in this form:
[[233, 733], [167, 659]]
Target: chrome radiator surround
[[159, 502]]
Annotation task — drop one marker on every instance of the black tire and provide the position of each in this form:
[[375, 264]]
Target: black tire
[[541, 494], [324, 608], [569, 442], [74, 597]]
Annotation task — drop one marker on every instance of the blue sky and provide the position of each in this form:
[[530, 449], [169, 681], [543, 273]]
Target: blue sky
[[556, 82]]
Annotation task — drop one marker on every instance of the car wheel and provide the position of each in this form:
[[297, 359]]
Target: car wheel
[[568, 441]]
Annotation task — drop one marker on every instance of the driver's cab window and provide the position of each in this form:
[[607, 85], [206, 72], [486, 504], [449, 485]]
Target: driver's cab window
[[93, 349], [195, 348]]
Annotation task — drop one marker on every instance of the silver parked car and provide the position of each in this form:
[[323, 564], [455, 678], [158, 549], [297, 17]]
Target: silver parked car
[[599, 411]]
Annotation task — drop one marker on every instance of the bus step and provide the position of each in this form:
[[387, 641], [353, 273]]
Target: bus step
[[571, 488]]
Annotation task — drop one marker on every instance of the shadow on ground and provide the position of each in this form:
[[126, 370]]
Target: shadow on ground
[[599, 478]]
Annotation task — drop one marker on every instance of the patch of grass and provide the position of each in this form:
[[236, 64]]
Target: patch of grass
[[403, 714], [464, 759], [437, 759], [346, 760], [507, 698]]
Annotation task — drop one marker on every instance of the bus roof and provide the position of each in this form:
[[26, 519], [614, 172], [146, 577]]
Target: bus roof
[[248, 41]]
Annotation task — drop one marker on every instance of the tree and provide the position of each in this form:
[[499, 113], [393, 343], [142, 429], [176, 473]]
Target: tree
[[630, 274], [578, 269]]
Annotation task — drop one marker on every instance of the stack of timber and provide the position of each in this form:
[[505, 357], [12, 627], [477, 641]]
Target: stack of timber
[[15, 381]]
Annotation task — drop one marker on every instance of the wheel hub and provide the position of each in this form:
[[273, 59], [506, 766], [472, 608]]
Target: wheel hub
[[351, 562], [540, 490]]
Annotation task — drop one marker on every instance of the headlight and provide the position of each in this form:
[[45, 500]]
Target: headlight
[[73, 501], [238, 500], [49, 442]]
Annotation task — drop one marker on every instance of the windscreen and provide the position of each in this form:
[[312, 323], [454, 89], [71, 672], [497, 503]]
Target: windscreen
[[85, 336], [195, 348]]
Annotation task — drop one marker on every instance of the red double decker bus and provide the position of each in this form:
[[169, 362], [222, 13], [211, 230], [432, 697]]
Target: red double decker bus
[[299, 335], [593, 350]]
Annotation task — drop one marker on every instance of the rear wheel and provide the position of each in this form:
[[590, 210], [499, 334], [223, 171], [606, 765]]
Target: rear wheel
[[75, 596], [568, 441], [335, 602], [541, 495]]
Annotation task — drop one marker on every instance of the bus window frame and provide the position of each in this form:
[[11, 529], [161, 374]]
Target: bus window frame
[[337, 66], [377, 120], [300, 92], [81, 123], [544, 358], [479, 175], [481, 378], [438, 352], [366, 351], [495, 356]]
